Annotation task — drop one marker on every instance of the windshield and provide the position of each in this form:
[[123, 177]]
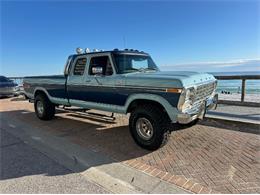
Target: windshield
[[127, 63]]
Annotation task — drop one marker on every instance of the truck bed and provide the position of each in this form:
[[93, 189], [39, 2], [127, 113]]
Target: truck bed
[[53, 84]]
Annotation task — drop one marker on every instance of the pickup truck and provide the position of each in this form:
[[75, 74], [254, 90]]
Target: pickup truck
[[126, 81]]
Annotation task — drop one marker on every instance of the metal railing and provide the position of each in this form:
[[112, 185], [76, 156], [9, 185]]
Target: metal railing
[[243, 89]]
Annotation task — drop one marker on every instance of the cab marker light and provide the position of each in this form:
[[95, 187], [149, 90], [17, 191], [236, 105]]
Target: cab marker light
[[173, 90]]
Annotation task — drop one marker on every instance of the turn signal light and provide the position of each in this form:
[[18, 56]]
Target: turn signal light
[[174, 90]]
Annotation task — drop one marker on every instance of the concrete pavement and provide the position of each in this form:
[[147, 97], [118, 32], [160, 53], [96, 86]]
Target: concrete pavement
[[27, 170], [95, 168]]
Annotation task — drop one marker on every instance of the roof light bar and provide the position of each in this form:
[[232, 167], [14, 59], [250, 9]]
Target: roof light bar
[[79, 50]]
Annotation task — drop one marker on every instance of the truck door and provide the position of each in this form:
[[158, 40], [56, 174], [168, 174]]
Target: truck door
[[76, 78], [101, 85]]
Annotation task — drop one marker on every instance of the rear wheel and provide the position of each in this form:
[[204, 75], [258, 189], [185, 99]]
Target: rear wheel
[[44, 109], [149, 126]]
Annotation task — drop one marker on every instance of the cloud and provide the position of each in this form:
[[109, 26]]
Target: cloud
[[234, 65]]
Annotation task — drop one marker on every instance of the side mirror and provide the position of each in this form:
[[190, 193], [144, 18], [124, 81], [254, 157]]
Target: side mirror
[[66, 68], [98, 70]]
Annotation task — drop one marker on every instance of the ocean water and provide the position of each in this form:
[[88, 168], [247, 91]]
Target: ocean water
[[234, 86]]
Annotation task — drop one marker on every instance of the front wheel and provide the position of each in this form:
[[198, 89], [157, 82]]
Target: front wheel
[[149, 126], [44, 109]]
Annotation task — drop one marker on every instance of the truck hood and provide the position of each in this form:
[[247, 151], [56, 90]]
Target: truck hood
[[176, 79]]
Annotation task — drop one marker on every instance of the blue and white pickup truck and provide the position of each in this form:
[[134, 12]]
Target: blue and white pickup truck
[[126, 81]]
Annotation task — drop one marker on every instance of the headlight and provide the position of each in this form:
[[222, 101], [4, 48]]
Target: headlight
[[186, 100], [190, 95]]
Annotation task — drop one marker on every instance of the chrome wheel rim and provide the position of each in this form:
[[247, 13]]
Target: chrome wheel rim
[[39, 106], [144, 128]]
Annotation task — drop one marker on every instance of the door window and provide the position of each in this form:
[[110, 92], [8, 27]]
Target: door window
[[101, 61]]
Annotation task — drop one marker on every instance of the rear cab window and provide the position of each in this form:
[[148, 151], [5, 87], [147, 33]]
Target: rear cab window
[[79, 67]]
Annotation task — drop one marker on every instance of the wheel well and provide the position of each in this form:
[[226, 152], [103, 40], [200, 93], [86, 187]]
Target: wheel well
[[38, 92], [139, 102]]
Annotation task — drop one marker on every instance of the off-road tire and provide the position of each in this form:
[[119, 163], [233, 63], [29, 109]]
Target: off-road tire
[[48, 108], [160, 123]]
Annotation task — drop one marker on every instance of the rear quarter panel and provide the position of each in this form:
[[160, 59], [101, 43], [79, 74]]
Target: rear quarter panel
[[53, 85]]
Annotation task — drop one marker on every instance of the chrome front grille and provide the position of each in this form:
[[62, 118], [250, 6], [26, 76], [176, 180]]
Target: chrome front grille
[[204, 91]]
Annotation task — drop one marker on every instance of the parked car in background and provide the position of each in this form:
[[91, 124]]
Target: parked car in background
[[8, 87]]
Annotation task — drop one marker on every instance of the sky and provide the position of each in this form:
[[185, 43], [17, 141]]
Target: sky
[[204, 36]]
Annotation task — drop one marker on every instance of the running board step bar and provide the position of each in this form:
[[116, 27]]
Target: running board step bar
[[83, 111]]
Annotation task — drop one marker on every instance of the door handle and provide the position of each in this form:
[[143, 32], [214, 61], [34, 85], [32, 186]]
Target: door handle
[[87, 81]]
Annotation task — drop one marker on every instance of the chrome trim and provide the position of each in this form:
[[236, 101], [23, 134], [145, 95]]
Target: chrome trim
[[202, 92], [124, 87], [39, 107], [66, 67], [186, 118], [209, 104], [144, 128]]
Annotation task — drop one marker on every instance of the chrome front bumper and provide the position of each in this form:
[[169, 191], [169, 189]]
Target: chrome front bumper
[[209, 104]]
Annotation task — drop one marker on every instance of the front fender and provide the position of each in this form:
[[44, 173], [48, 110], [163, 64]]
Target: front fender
[[171, 111]]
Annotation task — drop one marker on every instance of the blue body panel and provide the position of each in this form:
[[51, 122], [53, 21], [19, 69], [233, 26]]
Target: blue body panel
[[55, 90], [115, 96], [55, 85], [106, 95]]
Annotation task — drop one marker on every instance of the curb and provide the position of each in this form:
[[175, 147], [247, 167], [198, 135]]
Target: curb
[[178, 180], [221, 122]]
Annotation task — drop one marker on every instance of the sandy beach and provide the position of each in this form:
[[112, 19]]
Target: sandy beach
[[237, 97]]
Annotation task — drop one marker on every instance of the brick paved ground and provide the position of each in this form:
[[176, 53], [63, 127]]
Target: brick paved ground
[[201, 159]]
